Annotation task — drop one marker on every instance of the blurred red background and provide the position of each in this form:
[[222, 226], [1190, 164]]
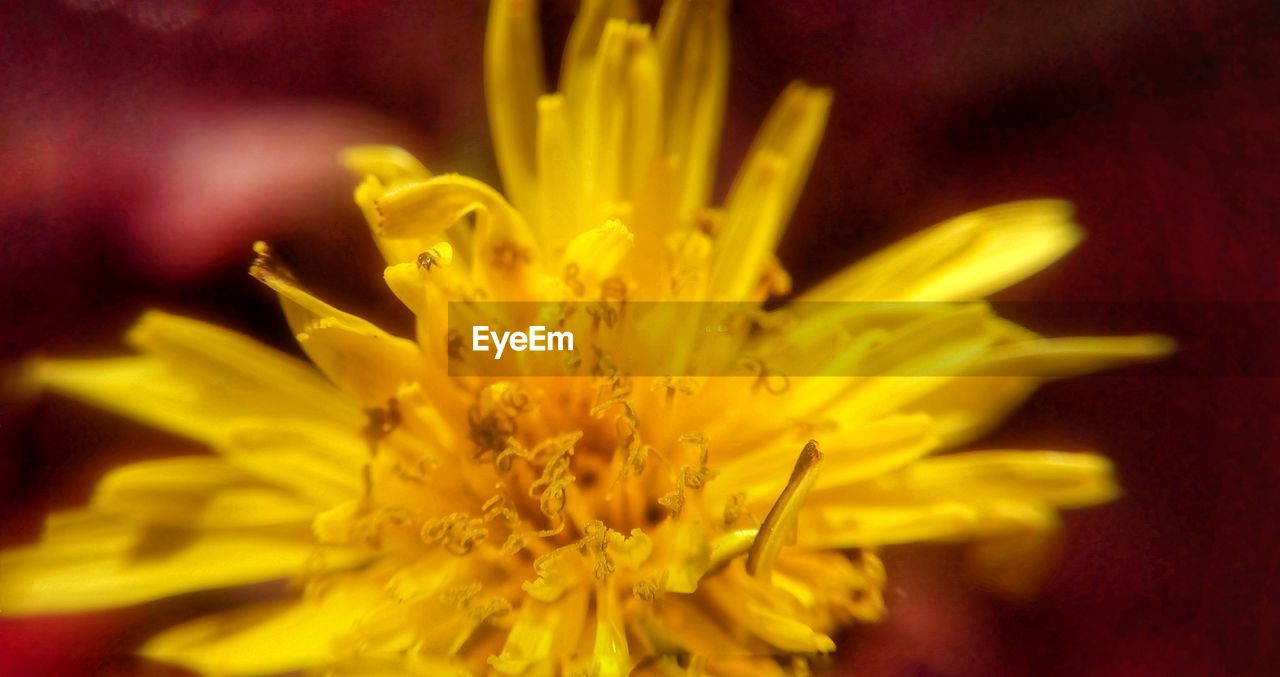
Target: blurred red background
[[146, 143]]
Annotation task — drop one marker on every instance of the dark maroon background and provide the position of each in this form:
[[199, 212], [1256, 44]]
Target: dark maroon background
[[1161, 121]]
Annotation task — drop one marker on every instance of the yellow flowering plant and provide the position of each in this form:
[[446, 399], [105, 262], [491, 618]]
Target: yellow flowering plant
[[601, 524]]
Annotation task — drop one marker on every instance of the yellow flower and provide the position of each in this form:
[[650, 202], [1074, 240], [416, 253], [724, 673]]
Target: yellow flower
[[588, 525]]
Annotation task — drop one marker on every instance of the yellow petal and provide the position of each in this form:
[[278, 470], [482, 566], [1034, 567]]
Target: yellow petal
[[394, 250], [407, 282], [1061, 357], [196, 379], [558, 572], [787, 633], [594, 255], [619, 128], [225, 364], [543, 633], [268, 638], [367, 363], [140, 388], [504, 254], [761, 200], [309, 461], [158, 563], [426, 209], [357, 356], [857, 526], [972, 495], [967, 407], [693, 47], [514, 79], [202, 492], [1016, 566], [393, 166], [764, 610], [583, 45], [559, 201], [962, 259], [856, 454], [1070, 480], [611, 656]]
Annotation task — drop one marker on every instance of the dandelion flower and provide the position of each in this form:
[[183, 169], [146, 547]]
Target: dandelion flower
[[430, 524]]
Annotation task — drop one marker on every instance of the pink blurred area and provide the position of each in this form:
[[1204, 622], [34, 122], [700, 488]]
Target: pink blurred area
[[146, 144], [150, 142]]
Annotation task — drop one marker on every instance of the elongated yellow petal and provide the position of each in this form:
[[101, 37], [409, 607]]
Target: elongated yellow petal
[[856, 454], [592, 256], [426, 209], [1074, 356], [611, 656], [962, 259], [766, 611], [141, 388], [268, 638], [504, 255], [357, 356], [158, 563], [967, 407], [368, 363], [762, 199], [234, 366], [619, 129], [305, 459], [857, 526], [196, 379], [560, 202], [1068, 480], [583, 45], [543, 633], [1017, 565], [393, 166], [913, 360], [204, 492], [85, 533], [976, 494], [786, 633], [394, 250], [514, 79], [693, 46]]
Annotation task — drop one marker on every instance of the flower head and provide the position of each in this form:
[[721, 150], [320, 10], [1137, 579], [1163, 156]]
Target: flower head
[[589, 524]]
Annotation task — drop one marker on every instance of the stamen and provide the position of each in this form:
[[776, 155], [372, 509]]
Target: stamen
[[675, 385], [457, 532], [734, 507], [673, 501], [381, 422], [499, 506], [454, 344], [572, 280], [650, 589], [774, 382], [492, 419], [266, 267], [508, 255], [494, 606], [782, 516]]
